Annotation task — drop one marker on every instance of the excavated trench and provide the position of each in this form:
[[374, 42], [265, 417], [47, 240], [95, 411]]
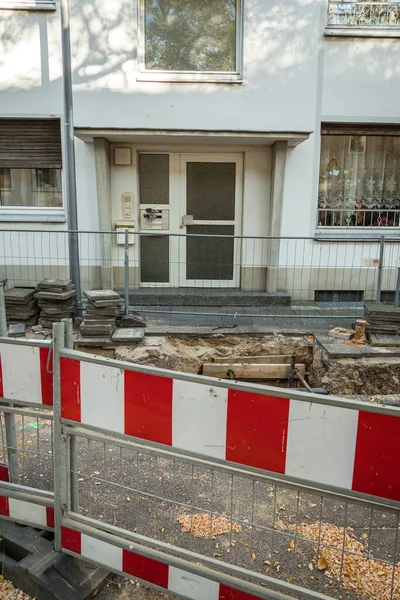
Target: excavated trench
[[371, 376]]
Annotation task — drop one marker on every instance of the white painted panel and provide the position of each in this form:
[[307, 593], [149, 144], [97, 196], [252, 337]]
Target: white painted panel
[[101, 552], [192, 586], [321, 443], [199, 418], [102, 396], [20, 367], [26, 511]]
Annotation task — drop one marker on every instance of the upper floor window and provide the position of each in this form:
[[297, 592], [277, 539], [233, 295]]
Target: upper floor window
[[359, 181], [188, 40], [363, 15]]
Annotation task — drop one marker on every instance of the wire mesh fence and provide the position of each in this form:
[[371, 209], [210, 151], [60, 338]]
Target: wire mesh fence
[[32, 447], [171, 276], [314, 537]]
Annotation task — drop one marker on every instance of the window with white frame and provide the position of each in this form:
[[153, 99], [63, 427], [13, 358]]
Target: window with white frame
[[359, 182], [191, 40], [30, 170]]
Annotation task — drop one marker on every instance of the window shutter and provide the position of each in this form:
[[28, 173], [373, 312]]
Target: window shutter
[[30, 143]]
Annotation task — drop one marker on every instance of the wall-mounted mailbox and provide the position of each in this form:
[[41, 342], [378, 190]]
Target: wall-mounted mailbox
[[120, 227], [154, 218]]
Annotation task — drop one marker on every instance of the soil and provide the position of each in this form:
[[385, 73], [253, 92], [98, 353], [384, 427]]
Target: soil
[[189, 354], [356, 376]]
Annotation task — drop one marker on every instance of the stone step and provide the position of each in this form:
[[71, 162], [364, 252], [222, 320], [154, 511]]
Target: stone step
[[206, 297]]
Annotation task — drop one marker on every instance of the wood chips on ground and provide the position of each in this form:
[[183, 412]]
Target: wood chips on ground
[[363, 575], [9, 592], [202, 525]]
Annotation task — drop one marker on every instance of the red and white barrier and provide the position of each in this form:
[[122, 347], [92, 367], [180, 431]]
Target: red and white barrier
[[24, 512], [23, 374], [155, 572], [344, 447]]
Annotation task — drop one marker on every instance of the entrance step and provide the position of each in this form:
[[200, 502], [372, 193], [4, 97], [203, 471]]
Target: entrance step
[[206, 297], [30, 562]]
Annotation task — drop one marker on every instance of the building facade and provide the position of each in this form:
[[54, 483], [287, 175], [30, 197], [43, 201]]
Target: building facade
[[235, 118]]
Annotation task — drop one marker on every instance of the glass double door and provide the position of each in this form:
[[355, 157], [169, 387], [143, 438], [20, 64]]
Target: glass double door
[[201, 198]]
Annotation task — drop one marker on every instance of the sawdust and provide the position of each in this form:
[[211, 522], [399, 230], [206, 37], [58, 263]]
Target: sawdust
[[189, 354], [9, 592], [362, 575], [201, 525]]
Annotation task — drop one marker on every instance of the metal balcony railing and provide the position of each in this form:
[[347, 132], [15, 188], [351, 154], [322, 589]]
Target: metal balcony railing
[[374, 15]]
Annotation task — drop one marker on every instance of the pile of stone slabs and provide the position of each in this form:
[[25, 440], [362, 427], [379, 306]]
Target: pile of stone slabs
[[99, 325], [103, 306], [21, 306], [56, 298], [383, 323]]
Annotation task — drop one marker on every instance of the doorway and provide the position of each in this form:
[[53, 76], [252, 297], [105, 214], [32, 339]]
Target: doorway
[[195, 194]]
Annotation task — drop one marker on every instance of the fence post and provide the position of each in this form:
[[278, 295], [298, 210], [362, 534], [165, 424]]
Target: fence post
[[126, 276], [58, 442], [397, 293], [9, 419], [73, 451], [380, 270]]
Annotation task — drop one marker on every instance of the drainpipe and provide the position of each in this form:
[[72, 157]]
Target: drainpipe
[[69, 163]]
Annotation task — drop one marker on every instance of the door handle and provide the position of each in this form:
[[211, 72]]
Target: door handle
[[187, 220]]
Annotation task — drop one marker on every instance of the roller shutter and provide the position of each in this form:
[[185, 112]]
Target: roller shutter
[[30, 143]]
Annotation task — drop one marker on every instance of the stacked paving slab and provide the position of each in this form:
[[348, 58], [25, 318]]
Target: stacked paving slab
[[382, 318], [102, 310], [21, 306], [56, 299]]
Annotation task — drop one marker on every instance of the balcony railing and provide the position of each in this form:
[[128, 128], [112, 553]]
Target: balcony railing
[[371, 15], [361, 218]]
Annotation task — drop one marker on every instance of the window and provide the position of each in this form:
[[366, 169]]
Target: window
[[46, 5], [359, 182], [30, 170], [32, 188], [363, 15], [191, 40]]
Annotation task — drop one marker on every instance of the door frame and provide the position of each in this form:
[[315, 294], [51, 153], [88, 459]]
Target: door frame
[[215, 157]]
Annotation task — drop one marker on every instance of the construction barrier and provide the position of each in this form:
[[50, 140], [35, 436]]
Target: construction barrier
[[350, 445]]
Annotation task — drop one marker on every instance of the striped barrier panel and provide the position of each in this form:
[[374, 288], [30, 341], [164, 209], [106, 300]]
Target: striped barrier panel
[[21, 511], [24, 372], [301, 437], [148, 570]]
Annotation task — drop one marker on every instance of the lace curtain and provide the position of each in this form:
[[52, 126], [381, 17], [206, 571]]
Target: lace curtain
[[359, 180]]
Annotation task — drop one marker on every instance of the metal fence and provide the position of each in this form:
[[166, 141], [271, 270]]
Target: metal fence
[[215, 276], [162, 495], [374, 15], [205, 488]]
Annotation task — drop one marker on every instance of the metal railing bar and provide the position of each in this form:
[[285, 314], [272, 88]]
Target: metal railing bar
[[26, 413], [264, 390], [269, 477], [25, 342], [27, 494], [215, 570]]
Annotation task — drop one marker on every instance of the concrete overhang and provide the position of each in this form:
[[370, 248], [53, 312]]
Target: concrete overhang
[[187, 137]]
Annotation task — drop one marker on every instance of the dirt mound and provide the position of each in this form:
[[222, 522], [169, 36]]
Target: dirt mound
[[188, 354]]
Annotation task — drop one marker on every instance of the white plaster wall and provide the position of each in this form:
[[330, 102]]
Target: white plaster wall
[[30, 63], [281, 40], [361, 80]]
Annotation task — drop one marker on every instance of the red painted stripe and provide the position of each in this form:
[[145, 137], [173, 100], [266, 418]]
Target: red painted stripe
[[4, 475], [1, 380], [71, 540], [377, 456], [50, 517], [227, 593], [256, 433], [148, 569], [4, 507], [148, 407], [46, 378], [70, 389]]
